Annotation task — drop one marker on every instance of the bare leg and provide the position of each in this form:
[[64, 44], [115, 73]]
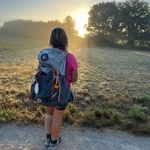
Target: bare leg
[[48, 119], [56, 124]]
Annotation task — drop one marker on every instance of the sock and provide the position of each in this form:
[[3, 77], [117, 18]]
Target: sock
[[48, 136], [53, 142]]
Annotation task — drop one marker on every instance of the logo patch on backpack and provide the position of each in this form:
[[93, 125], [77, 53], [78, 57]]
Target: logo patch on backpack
[[49, 86]]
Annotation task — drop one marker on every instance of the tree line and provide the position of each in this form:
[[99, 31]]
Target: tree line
[[122, 24], [40, 30]]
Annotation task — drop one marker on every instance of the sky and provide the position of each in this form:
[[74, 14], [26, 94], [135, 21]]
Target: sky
[[47, 10]]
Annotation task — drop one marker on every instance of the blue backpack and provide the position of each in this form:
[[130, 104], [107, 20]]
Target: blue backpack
[[49, 86]]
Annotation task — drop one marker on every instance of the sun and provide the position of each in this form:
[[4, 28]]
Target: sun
[[81, 19]]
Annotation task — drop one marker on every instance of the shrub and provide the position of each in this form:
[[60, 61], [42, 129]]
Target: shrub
[[145, 99], [137, 114]]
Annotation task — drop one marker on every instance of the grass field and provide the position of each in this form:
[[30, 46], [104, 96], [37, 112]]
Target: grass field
[[113, 87]]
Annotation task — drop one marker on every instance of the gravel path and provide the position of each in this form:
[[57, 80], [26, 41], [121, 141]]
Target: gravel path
[[13, 137]]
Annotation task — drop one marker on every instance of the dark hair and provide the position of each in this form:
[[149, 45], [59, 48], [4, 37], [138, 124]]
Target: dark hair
[[59, 39]]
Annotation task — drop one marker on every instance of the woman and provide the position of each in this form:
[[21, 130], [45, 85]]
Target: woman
[[54, 115]]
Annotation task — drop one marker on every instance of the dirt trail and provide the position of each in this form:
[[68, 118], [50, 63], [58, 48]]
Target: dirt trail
[[13, 137]]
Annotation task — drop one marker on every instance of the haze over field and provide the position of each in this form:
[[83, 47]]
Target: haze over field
[[47, 10]]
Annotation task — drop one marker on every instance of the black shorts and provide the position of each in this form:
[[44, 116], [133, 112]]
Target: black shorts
[[61, 107]]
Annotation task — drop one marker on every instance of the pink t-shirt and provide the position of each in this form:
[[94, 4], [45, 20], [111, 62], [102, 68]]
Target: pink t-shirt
[[72, 65]]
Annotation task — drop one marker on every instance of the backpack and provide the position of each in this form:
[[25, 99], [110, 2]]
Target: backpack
[[49, 86]]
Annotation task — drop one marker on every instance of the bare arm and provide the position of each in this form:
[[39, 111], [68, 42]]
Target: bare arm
[[74, 76]]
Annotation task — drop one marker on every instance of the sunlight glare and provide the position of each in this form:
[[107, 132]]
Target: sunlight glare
[[81, 19]]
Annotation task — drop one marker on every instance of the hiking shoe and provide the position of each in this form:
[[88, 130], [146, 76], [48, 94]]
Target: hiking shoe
[[47, 141], [54, 146]]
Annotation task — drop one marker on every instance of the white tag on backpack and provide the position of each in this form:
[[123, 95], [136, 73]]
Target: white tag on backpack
[[36, 88]]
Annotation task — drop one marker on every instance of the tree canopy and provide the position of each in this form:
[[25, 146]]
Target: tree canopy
[[125, 23], [70, 25]]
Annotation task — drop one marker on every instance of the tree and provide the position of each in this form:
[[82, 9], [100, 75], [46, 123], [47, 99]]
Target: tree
[[125, 22], [103, 22], [70, 24], [135, 22]]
